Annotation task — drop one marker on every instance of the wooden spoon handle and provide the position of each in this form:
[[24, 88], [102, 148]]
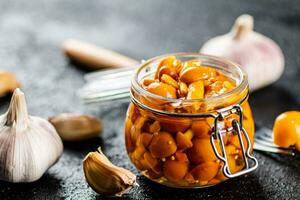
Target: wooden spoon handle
[[94, 57]]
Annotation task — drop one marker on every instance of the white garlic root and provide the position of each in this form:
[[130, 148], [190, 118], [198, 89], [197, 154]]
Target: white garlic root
[[76, 127], [8, 83], [104, 177], [28, 145], [257, 54]]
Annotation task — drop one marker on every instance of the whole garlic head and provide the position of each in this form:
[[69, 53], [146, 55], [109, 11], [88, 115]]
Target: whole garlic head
[[28, 145], [257, 54]]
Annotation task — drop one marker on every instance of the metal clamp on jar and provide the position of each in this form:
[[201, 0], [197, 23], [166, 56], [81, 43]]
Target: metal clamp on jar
[[237, 129]]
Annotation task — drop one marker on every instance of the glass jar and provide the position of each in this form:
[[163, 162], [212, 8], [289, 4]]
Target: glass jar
[[174, 144]]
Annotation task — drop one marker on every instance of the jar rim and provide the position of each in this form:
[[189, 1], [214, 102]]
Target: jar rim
[[240, 87]]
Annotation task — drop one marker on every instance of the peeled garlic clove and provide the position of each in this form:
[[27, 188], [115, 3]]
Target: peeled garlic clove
[[28, 145], [106, 178], [75, 127], [8, 83], [257, 54]]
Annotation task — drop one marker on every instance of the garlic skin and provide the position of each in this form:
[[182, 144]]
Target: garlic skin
[[104, 177], [28, 145], [257, 54]]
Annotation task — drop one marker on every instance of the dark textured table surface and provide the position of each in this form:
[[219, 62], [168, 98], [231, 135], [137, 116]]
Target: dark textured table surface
[[31, 34]]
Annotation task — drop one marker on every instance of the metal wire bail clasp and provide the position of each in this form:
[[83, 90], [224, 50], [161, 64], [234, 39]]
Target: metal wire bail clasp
[[238, 129]]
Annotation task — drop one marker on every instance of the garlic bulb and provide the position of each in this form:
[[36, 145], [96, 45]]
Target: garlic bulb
[[28, 145], [76, 127], [258, 55], [106, 178]]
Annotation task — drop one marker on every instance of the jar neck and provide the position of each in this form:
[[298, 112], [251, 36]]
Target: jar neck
[[172, 106]]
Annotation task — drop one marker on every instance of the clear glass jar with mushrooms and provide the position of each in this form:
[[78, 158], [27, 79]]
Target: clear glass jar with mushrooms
[[189, 123]]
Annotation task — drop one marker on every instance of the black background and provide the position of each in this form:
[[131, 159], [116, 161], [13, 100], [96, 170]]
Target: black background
[[31, 34]]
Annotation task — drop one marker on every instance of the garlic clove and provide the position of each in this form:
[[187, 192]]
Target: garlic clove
[[257, 54], [8, 83], [28, 145], [76, 127], [104, 177]]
